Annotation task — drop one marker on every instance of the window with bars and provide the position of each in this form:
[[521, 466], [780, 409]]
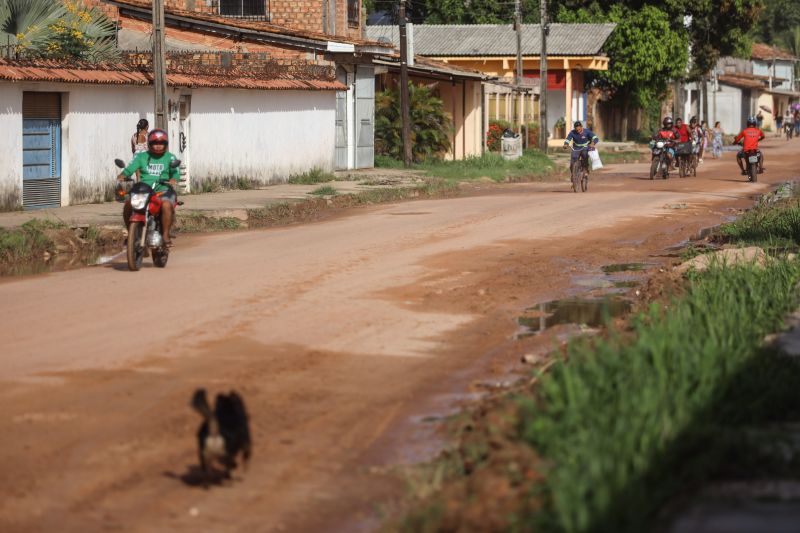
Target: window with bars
[[354, 12], [246, 9]]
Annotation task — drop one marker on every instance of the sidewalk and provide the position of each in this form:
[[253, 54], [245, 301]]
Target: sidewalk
[[222, 204]]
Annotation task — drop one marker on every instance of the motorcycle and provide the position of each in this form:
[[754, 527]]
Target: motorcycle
[[144, 229], [660, 159], [752, 159]]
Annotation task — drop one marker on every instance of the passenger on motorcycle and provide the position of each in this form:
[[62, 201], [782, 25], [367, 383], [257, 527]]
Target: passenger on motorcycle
[[749, 138], [582, 141], [667, 133], [696, 134], [153, 166], [682, 133]]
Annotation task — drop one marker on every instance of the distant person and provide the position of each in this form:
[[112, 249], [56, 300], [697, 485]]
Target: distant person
[[759, 119], [788, 122], [716, 140], [139, 139], [778, 124], [796, 120], [749, 138]]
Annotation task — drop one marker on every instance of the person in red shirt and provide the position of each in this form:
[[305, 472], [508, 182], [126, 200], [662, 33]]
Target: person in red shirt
[[749, 138], [681, 131]]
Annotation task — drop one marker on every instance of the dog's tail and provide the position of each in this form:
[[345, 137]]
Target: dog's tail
[[200, 403]]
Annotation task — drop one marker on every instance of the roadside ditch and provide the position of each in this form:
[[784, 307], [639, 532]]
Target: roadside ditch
[[668, 402]]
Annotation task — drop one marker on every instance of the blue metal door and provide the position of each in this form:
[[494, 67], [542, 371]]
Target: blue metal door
[[41, 163]]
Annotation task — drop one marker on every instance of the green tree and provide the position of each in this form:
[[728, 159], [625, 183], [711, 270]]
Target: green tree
[[777, 20], [644, 52], [430, 124], [56, 30]]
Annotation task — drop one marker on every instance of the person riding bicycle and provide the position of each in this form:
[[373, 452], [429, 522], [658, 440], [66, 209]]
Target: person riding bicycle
[[583, 140], [667, 133], [749, 138], [153, 166]]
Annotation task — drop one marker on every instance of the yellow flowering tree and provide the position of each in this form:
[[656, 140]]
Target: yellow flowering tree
[[56, 30]]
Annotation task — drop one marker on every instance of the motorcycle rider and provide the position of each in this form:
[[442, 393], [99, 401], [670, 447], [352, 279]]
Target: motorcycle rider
[[154, 165], [667, 133], [583, 140], [749, 138]]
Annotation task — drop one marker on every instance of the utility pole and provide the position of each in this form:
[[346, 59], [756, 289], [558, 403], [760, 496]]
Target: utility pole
[[404, 96], [159, 66], [518, 78], [543, 76]]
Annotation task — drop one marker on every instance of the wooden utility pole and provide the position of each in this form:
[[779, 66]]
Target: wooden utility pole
[[543, 76], [518, 77], [159, 66], [405, 113]]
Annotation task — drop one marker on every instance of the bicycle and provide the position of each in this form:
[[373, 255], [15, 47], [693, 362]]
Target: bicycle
[[580, 172]]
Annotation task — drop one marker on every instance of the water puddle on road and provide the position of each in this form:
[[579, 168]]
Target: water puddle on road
[[591, 312], [626, 267]]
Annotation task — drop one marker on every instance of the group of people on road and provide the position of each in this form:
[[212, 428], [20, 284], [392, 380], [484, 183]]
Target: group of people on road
[[789, 123]]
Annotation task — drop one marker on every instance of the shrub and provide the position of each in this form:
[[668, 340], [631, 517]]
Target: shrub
[[495, 133], [430, 124]]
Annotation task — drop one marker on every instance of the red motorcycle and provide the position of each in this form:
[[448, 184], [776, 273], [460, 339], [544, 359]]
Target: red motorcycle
[[144, 229]]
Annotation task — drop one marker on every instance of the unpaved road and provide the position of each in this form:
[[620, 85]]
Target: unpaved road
[[338, 334]]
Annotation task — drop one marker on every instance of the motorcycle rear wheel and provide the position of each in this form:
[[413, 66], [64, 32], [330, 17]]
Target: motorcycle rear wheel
[[752, 170], [135, 249]]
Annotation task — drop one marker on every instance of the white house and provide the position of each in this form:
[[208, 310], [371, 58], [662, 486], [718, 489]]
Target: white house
[[62, 125]]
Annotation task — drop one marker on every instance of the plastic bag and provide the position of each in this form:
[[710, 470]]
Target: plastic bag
[[594, 157]]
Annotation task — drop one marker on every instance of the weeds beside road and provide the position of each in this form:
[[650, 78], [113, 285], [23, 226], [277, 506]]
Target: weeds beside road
[[617, 425]]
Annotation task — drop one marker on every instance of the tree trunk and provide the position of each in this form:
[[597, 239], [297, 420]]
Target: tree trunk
[[624, 123]]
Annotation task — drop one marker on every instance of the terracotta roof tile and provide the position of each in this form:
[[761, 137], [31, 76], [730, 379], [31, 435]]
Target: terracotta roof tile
[[741, 82], [105, 74], [267, 27], [766, 52]]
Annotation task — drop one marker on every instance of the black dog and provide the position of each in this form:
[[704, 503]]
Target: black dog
[[224, 434]]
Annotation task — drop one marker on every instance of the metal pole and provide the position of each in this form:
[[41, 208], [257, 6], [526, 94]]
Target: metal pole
[[159, 66], [405, 112], [543, 76], [518, 78]]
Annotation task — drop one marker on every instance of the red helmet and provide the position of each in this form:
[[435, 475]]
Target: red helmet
[[157, 137]]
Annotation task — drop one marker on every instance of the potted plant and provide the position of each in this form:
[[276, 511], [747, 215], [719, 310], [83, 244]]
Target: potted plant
[[560, 128]]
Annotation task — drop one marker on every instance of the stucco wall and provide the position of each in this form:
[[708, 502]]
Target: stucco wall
[[727, 109], [783, 70], [10, 147], [261, 136]]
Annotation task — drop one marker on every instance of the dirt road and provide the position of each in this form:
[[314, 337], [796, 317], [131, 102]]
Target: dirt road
[[339, 334]]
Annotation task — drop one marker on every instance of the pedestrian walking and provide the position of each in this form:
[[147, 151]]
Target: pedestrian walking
[[716, 140], [139, 139]]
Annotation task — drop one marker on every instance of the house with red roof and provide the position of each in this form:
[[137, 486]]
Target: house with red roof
[[250, 100]]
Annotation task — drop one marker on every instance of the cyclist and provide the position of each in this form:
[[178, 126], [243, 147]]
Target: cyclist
[[582, 141]]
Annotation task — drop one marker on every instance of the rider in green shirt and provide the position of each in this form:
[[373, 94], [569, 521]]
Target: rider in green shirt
[[154, 165]]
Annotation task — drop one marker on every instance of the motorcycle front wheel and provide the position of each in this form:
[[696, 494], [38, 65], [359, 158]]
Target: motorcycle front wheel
[[654, 167], [135, 248]]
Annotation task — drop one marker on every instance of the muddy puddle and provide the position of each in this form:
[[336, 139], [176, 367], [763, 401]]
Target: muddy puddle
[[591, 312], [626, 267], [63, 262]]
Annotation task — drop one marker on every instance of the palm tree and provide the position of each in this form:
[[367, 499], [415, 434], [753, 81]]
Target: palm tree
[[52, 29]]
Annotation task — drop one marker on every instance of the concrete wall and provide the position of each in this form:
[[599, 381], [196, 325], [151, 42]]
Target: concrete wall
[[10, 147], [262, 136], [728, 110], [783, 69]]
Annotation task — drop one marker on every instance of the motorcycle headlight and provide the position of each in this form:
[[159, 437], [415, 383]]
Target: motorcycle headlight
[[660, 144], [138, 200]]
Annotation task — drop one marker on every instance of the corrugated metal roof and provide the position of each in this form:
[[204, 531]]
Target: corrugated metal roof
[[440, 40], [741, 82], [56, 71]]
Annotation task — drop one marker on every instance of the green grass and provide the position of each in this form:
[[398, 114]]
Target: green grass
[[621, 420], [533, 164], [28, 242], [313, 176], [773, 225], [325, 190], [190, 222]]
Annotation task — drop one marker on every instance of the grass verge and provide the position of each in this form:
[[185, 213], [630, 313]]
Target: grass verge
[[29, 241], [313, 176], [619, 424], [531, 166], [193, 222], [325, 190], [285, 213]]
